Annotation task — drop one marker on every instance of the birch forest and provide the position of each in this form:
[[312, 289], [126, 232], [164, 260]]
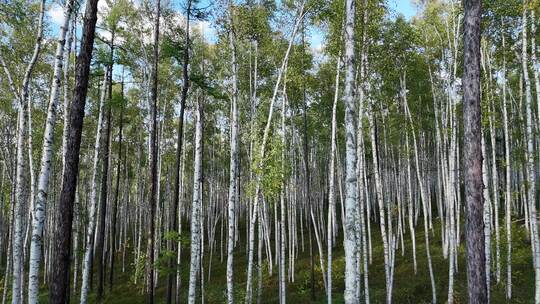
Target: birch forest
[[263, 151]]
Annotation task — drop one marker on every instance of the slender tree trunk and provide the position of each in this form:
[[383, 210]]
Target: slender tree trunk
[[332, 185], [89, 251], [487, 217], [196, 209], [104, 196], [386, 237], [154, 158], [58, 287], [21, 199], [181, 190], [531, 170], [508, 183], [234, 158], [177, 179], [307, 185], [253, 213], [114, 211], [280, 227], [21, 196], [46, 159], [424, 200], [351, 220]]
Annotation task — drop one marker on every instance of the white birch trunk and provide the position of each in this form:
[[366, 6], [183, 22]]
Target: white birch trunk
[[233, 161], [350, 242], [332, 186], [253, 213], [46, 159], [196, 207], [423, 198], [508, 184], [487, 217], [531, 196], [92, 214], [21, 197]]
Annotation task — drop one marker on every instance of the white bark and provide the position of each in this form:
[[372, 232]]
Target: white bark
[[423, 198], [46, 158], [361, 183], [92, 214], [531, 196], [508, 184], [487, 217], [196, 234], [534, 61], [20, 191], [331, 184], [280, 230], [254, 211], [451, 196], [21, 197], [380, 200], [350, 242], [233, 160]]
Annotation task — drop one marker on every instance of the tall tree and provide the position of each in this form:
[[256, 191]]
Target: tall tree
[[114, 211], [529, 158], [100, 246], [508, 178], [179, 141], [331, 185], [196, 235], [351, 213], [150, 275], [92, 209], [59, 285], [234, 157], [476, 274], [262, 152], [21, 96], [104, 196], [46, 160]]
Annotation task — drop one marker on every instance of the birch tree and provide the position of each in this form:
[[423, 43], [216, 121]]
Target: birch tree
[[531, 178], [234, 158], [350, 242], [195, 260], [46, 161], [59, 286]]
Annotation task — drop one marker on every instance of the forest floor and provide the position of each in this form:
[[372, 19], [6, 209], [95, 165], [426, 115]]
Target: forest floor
[[407, 288]]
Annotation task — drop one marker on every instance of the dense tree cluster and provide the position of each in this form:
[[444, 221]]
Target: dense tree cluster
[[213, 151]]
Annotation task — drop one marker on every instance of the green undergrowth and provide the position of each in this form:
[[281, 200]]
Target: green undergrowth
[[408, 287]]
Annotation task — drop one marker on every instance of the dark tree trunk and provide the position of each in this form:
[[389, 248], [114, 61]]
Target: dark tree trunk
[[100, 249], [62, 238], [476, 273], [177, 177], [115, 204], [153, 153], [101, 252], [308, 178]]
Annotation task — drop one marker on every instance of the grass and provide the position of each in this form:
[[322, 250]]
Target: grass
[[407, 288]]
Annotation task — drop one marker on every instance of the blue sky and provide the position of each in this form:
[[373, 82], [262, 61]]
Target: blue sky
[[403, 7]]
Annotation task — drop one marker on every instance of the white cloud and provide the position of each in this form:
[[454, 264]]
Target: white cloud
[[56, 13], [318, 47], [102, 8], [208, 31]]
